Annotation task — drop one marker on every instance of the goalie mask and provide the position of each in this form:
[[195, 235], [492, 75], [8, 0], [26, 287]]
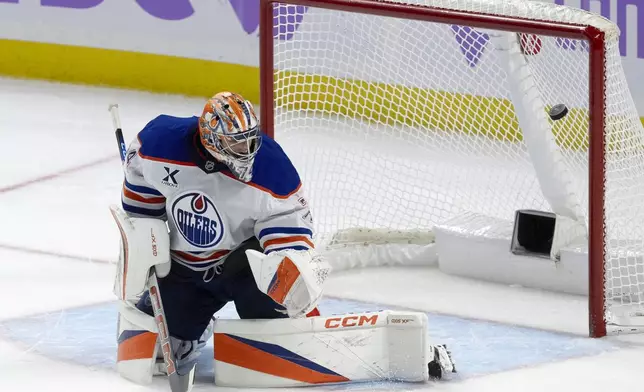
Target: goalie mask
[[230, 132]]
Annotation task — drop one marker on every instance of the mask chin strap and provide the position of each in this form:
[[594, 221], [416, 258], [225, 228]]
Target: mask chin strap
[[242, 170]]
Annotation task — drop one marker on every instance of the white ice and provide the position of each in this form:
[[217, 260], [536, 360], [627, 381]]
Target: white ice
[[59, 172]]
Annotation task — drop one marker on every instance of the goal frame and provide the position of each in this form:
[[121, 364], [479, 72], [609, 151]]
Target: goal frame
[[597, 94]]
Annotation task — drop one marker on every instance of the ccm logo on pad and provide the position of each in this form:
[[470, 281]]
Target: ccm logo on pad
[[350, 321], [154, 243]]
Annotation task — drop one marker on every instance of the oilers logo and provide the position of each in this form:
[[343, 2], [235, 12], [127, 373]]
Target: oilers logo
[[197, 219]]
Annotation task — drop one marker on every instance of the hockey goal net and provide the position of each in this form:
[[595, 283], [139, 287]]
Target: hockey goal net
[[402, 115]]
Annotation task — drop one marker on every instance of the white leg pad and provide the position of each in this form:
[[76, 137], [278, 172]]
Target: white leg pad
[[386, 345], [137, 345]]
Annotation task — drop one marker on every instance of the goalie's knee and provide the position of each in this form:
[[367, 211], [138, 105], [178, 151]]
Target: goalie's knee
[[137, 345]]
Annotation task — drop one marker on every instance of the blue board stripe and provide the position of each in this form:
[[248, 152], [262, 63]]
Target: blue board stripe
[[285, 230], [283, 353]]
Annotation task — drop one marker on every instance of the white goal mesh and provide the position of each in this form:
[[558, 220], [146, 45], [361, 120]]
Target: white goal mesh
[[399, 124]]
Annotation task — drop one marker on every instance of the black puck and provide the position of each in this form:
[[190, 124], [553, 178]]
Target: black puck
[[558, 111]]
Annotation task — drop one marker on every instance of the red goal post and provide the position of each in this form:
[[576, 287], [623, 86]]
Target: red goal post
[[597, 71]]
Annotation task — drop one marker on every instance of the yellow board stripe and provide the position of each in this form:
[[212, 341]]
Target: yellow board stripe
[[371, 101], [131, 70], [426, 109], [396, 104]]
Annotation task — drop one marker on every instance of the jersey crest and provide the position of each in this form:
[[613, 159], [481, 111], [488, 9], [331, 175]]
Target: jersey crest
[[197, 219]]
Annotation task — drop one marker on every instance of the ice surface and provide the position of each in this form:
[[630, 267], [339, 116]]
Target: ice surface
[[57, 240], [85, 336]]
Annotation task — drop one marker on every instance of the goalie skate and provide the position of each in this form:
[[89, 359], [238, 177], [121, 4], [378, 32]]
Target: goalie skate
[[442, 363]]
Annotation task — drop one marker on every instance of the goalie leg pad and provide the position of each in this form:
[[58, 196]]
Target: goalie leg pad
[[137, 345], [322, 350], [139, 356]]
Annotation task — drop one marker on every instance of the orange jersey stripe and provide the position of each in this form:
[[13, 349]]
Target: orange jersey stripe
[[137, 347], [284, 240], [161, 159], [240, 354], [261, 188], [182, 163], [131, 195], [149, 158], [286, 275]]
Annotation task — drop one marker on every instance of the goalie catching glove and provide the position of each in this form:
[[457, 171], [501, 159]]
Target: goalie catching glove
[[291, 278]]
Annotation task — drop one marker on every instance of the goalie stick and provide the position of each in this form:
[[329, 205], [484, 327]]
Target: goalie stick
[[178, 383]]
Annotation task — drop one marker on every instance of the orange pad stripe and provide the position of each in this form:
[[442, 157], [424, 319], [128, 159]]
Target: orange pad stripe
[[286, 275], [137, 347], [240, 354], [313, 313]]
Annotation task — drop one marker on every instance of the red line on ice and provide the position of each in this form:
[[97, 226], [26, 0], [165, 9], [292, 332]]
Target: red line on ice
[[54, 254], [54, 175], [47, 178]]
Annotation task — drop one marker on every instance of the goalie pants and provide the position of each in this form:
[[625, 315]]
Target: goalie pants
[[190, 298]]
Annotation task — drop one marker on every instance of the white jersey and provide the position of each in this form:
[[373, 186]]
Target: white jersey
[[170, 176]]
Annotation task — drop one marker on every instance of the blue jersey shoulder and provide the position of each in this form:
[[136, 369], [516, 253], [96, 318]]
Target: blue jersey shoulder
[[273, 171], [168, 138]]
